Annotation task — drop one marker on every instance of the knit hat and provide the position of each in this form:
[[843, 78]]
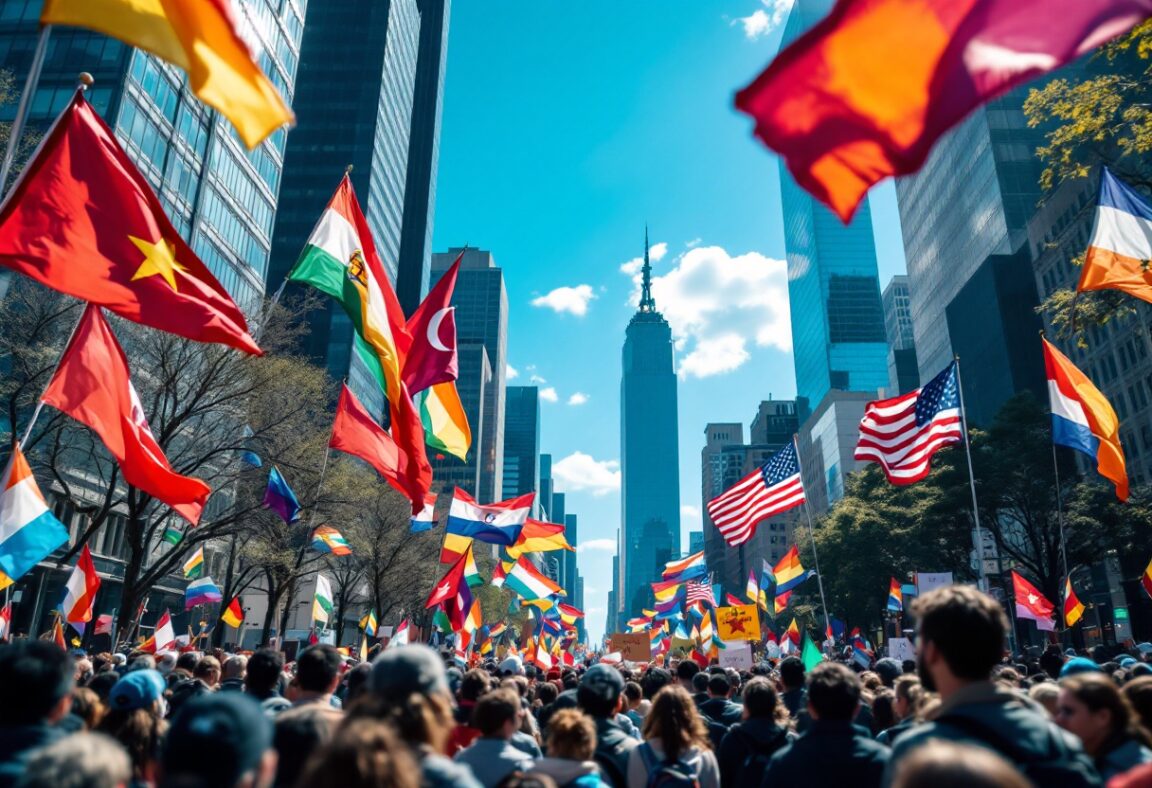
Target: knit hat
[[399, 672], [1079, 665], [137, 690], [603, 681], [216, 738]]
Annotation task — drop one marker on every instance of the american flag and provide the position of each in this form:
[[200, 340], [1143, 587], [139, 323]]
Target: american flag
[[700, 592], [902, 433], [767, 491]]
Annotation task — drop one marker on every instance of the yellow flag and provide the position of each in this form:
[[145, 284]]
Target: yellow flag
[[738, 622], [199, 36]]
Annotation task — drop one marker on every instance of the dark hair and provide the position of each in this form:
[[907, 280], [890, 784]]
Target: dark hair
[[700, 682], [35, 675], [1097, 691], [632, 691], [967, 626], [87, 705], [140, 732], [571, 735], [883, 713], [494, 709], [674, 721], [206, 667], [317, 668], [363, 752], [833, 691], [1138, 691], [719, 684], [187, 661], [760, 699], [654, 680], [299, 734], [102, 683], [474, 684], [264, 669], [546, 692], [792, 673], [686, 670]]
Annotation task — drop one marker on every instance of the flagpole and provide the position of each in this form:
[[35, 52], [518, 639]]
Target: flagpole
[[812, 534], [1060, 514], [971, 481], [30, 86]]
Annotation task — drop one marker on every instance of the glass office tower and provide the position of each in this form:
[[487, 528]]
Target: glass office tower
[[521, 441]]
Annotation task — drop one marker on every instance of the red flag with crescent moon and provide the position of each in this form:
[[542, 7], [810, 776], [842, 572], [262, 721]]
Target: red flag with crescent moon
[[432, 357]]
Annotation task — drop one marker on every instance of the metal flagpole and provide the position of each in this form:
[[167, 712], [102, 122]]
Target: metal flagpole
[[1060, 514], [971, 481], [812, 534], [30, 86]]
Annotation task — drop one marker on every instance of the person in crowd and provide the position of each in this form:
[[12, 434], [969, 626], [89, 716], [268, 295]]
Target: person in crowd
[[907, 695], [135, 719], [232, 675], [839, 751], [1092, 707], [355, 682], [601, 696], [544, 696], [473, 686], [365, 753], [298, 732], [1047, 694], [686, 672], [633, 697], [676, 744], [317, 676], [961, 637], [222, 740], [409, 690], [719, 708], [262, 680], [1138, 691], [87, 707], [35, 693], [794, 696], [746, 749], [525, 737], [888, 670], [102, 684], [883, 711], [82, 760], [940, 764], [492, 757], [571, 746], [204, 679]]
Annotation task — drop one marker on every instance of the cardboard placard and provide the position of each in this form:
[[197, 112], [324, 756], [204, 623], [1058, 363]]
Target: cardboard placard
[[901, 649], [633, 647], [738, 622], [737, 654]]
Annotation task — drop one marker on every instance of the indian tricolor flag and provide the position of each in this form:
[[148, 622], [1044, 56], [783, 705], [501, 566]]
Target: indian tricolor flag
[[340, 259], [528, 582]]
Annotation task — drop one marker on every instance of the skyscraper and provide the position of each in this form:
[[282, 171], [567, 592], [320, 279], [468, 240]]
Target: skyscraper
[[521, 441], [481, 303], [903, 373], [833, 285], [221, 197], [649, 452]]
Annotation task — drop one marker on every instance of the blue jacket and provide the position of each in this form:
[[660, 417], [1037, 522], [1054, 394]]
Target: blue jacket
[[17, 744]]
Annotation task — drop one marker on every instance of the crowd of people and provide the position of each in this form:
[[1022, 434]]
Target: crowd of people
[[962, 714]]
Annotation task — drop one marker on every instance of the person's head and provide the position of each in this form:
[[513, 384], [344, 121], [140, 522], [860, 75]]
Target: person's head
[[219, 739], [207, 670], [497, 713], [364, 752], [883, 710], [571, 735], [685, 671], [1138, 691], [761, 701], [908, 694], [833, 692], [941, 764], [187, 661], [82, 669], [961, 637], [475, 683], [512, 666], [409, 688], [1092, 707], [654, 680], [1047, 694], [35, 683], [234, 668], [298, 733], [318, 670], [888, 670], [518, 684], [674, 721], [263, 671], [792, 673], [633, 694], [719, 686], [700, 683], [102, 683], [601, 690], [135, 719], [546, 692], [82, 760], [87, 705]]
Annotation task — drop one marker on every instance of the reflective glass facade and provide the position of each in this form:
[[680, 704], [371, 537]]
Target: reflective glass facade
[[838, 338], [827, 442], [521, 441], [220, 196]]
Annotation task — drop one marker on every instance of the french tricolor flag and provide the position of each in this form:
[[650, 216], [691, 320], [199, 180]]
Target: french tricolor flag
[[1083, 419], [1118, 254], [496, 523]]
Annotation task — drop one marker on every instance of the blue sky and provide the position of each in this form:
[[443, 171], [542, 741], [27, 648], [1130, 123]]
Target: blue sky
[[568, 126]]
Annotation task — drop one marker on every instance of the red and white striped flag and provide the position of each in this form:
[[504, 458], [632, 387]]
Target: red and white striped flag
[[700, 592], [767, 491], [902, 433]]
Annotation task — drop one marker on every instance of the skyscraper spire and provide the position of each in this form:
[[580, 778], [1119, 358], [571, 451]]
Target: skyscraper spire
[[647, 303]]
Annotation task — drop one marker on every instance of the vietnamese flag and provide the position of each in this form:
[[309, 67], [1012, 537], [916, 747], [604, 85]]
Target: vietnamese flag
[[866, 93], [84, 221], [92, 386]]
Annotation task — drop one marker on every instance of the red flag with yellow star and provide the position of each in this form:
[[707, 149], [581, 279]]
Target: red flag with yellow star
[[83, 220]]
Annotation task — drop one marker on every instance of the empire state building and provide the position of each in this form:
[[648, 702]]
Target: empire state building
[[649, 456]]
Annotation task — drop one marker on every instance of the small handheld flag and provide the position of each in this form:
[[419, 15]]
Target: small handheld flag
[[279, 497], [368, 624], [1146, 579], [233, 615], [789, 572], [1073, 608], [201, 592], [1031, 604], [194, 566], [327, 539], [895, 596], [80, 592], [322, 600]]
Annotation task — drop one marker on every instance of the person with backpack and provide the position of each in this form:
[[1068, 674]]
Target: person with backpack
[[601, 695], [676, 750], [961, 637], [571, 746], [749, 745]]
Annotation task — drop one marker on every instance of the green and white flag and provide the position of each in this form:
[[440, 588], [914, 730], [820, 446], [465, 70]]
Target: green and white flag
[[322, 601], [810, 655], [173, 535]]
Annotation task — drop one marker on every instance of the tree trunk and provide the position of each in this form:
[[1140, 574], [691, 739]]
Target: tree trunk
[[270, 613]]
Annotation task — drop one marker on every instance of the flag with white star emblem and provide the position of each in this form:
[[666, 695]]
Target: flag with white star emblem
[[767, 491], [902, 433]]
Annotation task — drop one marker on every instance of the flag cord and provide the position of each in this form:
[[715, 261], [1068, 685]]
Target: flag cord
[[812, 534], [30, 85]]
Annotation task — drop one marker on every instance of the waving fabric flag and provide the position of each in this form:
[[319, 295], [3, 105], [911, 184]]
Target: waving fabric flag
[[444, 421], [163, 636], [1146, 579], [233, 614], [895, 596], [103, 624], [368, 623], [780, 603], [1073, 607], [426, 519], [1083, 419], [496, 523], [865, 94], [767, 491], [539, 537], [80, 592], [201, 592], [1031, 604], [700, 592], [902, 433], [1121, 244], [355, 432], [84, 221], [323, 603], [327, 539], [92, 385], [29, 532], [528, 582], [691, 568], [810, 655], [432, 358], [194, 566], [399, 637], [278, 497], [752, 590], [789, 572], [471, 571]]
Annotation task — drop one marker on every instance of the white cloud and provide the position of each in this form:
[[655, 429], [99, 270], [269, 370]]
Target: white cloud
[[689, 511], [694, 243], [764, 20], [720, 305], [536, 379], [579, 398], [510, 372], [549, 395], [567, 299], [579, 471], [603, 545], [656, 253]]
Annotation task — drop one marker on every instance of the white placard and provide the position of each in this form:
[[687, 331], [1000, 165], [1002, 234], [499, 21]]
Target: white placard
[[926, 581], [901, 649], [737, 654]]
